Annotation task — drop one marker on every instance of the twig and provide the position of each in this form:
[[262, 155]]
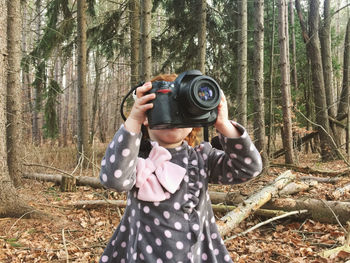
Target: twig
[[266, 222], [64, 244], [336, 218], [20, 219], [46, 166]]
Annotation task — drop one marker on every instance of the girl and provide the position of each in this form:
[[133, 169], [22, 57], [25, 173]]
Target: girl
[[169, 217]]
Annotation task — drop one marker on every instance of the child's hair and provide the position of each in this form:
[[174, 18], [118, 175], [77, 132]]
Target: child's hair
[[192, 137]]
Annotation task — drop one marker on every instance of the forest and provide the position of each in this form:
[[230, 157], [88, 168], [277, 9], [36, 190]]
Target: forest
[[67, 65]]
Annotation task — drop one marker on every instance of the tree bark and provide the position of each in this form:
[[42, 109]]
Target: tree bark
[[294, 52], [242, 70], [134, 18], [36, 135], [202, 31], [271, 77], [314, 54], [320, 210], [344, 98], [326, 49], [84, 148], [258, 71], [146, 40], [11, 205], [14, 99], [255, 201], [95, 97], [285, 86]]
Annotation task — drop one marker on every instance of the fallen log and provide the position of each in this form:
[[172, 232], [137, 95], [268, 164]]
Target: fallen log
[[320, 210], [255, 201], [293, 188], [309, 170], [331, 180], [94, 204], [93, 182], [216, 197]]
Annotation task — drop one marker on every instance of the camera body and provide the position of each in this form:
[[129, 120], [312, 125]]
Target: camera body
[[189, 101]]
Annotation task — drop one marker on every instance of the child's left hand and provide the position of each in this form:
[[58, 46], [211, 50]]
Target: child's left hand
[[223, 124]]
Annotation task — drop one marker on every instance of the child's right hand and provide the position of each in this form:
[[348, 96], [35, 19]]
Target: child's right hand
[[141, 105]]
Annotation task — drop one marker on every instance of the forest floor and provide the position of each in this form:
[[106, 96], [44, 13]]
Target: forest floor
[[79, 235]]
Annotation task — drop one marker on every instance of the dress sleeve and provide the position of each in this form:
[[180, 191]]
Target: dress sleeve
[[239, 161], [118, 166]]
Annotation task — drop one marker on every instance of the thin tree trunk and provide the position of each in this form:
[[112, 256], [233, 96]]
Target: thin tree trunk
[[202, 31], [259, 105], [134, 7], [146, 40], [294, 52], [83, 129], [36, 135], [271, 75], [67, 88], [285, 85], [95, 96], [242, 60], [343, 105]]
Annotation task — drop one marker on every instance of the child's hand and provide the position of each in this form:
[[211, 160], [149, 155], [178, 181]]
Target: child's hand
[[141, 105], [223, 124]]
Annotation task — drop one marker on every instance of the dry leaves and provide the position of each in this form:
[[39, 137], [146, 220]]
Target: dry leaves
[[80, 235]]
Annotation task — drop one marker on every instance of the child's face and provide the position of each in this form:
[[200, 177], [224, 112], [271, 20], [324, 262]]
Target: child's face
[[169, 138]]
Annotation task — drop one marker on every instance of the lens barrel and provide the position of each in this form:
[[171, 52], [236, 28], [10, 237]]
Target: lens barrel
[[202, 95]]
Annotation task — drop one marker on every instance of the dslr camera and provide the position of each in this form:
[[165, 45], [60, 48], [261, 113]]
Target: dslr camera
[[189, 101]]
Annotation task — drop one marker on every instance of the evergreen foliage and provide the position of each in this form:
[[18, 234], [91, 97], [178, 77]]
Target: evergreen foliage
[[50, 114]]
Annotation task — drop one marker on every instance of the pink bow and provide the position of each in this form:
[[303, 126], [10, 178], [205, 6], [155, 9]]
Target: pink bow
[[157, 171]]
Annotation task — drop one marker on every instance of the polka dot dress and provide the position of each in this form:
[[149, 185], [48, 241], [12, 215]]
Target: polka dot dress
[[181, 228]]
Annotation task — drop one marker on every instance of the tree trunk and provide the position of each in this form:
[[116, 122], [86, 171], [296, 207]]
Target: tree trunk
[[11, 205], [326, 52], [326, 49], [294, 52], [233, 218], [285, 86], [134, 7], [14, 98], [242, 71], [314, 53], [68, 87], [95, 97], [36, 135], [82, 92], [258, 71], [322, 211], [271, 77], [343, 105], [146, 40], [202, 31]]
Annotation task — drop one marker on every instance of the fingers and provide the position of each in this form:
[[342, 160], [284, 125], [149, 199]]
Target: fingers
[[140, 91]]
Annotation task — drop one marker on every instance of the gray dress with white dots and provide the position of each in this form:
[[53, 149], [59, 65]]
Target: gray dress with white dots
[[181, 228]]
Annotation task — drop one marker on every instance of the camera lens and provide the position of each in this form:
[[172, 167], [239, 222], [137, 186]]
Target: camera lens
[[205, 93], [201, 95]]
